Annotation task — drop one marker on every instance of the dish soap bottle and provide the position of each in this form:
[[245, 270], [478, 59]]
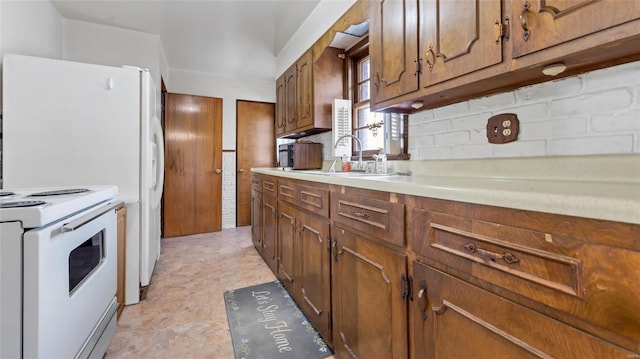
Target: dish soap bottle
[[381, 162], [346, 165]]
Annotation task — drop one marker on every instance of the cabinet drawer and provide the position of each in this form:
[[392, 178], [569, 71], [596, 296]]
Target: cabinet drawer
[[540, 258], [314, 199], [286, 191], [449, 312], [256, 182], [269, 186], [378, 218]]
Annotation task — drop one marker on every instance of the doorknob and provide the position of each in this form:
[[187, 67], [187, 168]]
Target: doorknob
[[218, 171]]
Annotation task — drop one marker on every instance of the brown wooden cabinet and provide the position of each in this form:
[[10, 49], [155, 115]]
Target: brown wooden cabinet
[[303, 253], [454, 319], [269, 223], [121, 214], [440, 52], [542, 24], [566, 268], [309, 86], [393, 48], [256, 211], [314, 271], [457, 38], [290, 99], [369, 305], [287, 233], [281, 106]]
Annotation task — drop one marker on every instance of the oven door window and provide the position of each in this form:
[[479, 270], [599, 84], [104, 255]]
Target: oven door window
[[84, 259]]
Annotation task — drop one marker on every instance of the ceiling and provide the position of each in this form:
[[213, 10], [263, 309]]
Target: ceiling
[[227, 37]]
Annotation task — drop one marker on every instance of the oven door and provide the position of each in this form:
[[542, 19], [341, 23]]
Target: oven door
[[69, 282]]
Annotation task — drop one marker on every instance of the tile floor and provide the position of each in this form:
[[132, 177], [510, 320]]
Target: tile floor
[[184, 313]]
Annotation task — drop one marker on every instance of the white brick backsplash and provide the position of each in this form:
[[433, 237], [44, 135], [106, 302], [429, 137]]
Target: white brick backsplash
[[625, 121], [451, 110], [592, 103], [593, 113], [590, 145], [552, 128], [452, 138], [554, 89], [614, 77], [228, 189], [521, 149], [491, 102]]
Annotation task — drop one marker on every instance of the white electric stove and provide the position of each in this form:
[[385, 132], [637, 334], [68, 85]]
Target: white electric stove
[[57, 271]]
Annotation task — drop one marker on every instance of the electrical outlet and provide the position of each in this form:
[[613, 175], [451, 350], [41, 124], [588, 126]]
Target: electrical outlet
[[503, 128]]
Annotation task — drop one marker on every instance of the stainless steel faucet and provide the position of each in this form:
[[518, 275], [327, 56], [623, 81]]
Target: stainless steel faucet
[[359, 148]]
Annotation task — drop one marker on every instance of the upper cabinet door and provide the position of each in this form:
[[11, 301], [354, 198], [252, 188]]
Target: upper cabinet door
[[458, 37], [539, 24], [393, 48], [281, 109], [290, 99], [305, 89]]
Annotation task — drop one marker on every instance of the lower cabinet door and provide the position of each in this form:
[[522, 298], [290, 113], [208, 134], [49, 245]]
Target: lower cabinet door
[[256, 219], [269, 232], [314, 274], [286, 245], [369, 311], [454, 319]]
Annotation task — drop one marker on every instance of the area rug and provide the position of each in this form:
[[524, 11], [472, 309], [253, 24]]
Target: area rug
[[266, 323]]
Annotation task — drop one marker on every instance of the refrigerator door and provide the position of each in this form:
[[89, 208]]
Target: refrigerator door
[[152, 179], [69, 123]]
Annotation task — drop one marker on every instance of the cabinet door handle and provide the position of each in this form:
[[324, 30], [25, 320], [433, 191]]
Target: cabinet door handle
[[334, 247], [524, 21], [422, 300], [431, 57], [361, 215], [508, 257]]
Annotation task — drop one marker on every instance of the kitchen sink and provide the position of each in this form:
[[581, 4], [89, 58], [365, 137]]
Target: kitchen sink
[[346, 174]]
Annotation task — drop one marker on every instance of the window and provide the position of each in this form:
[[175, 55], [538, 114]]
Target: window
[[376, 130]]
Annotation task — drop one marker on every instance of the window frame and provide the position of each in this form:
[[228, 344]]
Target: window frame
[[353, 57]]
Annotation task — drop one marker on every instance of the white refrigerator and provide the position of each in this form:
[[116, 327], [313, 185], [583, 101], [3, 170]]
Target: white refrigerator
[[75, 124]]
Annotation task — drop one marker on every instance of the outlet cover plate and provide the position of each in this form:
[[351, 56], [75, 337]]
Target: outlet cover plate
[[503, 128]]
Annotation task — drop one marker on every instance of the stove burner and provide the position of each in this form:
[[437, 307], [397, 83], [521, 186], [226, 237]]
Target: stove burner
[[21, 204], [59, 192], [6, 193]]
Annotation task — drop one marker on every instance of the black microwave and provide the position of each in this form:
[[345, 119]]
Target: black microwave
[[300, 156]]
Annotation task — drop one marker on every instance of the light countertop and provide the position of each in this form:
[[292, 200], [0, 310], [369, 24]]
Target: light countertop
[[601, 187]]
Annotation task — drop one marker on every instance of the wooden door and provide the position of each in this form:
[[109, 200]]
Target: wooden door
[[305, 89], [457, 38], [393, 48], [193, 165], [369, 311], [290, 99], [281, 106], [256, 147], [453, 319], [542, 24], [286, 245], [314, 274]]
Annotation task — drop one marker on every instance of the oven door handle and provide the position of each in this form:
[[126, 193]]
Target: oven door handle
[[72, 226]]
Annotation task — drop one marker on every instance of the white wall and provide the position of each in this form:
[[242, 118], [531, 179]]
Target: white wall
[[589, 114], [319, 21], [30, 28], [107, 45]]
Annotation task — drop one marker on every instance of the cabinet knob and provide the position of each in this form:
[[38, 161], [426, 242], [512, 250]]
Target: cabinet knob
[[241, 170], [218, 171]]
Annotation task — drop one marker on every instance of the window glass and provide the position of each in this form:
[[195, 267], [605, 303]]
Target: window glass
[[375, 130]]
